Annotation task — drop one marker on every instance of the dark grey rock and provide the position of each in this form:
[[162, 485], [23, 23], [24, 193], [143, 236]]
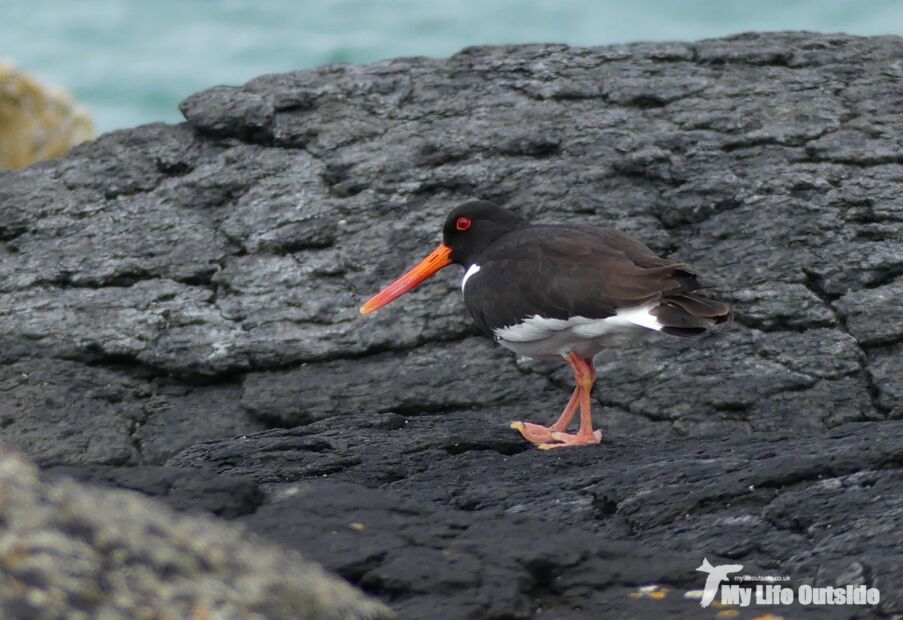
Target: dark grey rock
[[178, 416], [189, 490], [62, 412], [399, 506], [167, 294], [342, 387], [234, 110], [886, 371], [875, 316]]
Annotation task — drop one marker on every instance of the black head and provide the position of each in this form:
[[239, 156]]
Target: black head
[[472, 226], [469, 229]]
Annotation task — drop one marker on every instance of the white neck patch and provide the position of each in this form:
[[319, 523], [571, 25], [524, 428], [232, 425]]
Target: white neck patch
[[473, 269]]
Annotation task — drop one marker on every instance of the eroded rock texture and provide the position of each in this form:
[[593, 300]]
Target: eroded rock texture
[[184, 299]]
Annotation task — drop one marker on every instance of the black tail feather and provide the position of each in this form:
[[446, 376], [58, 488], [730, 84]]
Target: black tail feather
[[688, 315]]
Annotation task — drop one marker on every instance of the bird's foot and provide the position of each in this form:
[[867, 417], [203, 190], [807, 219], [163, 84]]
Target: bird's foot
[[565, 440], [535, 433]]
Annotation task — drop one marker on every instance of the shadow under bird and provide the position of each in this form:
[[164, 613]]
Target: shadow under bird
[[561, 291]]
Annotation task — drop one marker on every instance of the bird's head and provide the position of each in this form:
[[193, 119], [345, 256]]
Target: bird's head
[[471, 227], [468, 230]]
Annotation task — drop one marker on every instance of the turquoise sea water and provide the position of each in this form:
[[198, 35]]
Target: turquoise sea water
[[132, 61]]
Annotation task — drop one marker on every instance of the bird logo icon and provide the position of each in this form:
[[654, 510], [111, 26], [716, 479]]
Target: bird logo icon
[[717, 574]]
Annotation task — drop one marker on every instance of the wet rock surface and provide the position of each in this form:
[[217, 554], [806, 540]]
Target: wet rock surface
[[178, 315]]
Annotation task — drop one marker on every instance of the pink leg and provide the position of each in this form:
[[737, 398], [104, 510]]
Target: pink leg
[[537, 433], [585, 374]]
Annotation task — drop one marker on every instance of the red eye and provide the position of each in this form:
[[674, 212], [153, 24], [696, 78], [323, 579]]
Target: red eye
[[463, 223]]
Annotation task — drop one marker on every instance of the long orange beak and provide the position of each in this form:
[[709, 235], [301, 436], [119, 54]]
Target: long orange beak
[[439, 258]]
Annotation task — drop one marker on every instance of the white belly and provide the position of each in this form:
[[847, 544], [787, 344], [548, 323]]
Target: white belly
[[545, 338]]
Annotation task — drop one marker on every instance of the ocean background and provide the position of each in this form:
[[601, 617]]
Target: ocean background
[[132, 61]]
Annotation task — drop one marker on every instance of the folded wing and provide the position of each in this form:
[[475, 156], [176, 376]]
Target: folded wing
[[590, 272]]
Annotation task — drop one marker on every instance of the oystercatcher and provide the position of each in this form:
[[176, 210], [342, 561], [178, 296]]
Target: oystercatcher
[[561, 291]]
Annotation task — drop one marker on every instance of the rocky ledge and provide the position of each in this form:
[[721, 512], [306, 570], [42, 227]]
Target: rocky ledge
[[178, 316]]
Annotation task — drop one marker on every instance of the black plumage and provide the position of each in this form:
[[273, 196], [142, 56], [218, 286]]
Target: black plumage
[[559, 272]]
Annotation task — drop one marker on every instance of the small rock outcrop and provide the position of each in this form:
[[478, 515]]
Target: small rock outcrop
[[178, 316], [36, 122], [69, 552]]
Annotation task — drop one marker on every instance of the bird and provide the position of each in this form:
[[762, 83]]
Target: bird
[[561, 291]]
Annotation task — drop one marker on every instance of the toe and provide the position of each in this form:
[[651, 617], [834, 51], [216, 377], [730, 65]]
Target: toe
[[567, 439], [535, 433]]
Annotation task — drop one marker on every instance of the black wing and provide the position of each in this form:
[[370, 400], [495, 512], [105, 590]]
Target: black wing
[[564, 271]]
